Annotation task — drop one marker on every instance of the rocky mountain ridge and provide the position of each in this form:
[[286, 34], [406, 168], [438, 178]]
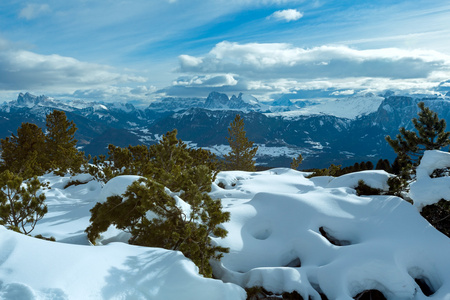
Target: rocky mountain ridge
[[300, 127]]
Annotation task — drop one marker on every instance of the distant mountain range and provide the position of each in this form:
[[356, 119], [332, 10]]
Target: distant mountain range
[[342, 131]]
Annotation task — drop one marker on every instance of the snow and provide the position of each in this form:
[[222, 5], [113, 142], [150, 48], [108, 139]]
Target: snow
[[350, 108], [272, 151], [36, 269], [286, 233], [387, 242], [426, 190], [374, 178]]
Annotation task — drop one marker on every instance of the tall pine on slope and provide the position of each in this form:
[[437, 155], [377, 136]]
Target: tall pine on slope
[[24, 154], [430, 134], [242, 152], [410, 145], [62, 154]]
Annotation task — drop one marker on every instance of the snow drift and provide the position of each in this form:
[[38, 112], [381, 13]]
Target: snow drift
[[286, 233]]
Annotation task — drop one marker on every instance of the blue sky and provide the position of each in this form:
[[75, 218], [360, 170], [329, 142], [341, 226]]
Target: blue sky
[[141, 50]]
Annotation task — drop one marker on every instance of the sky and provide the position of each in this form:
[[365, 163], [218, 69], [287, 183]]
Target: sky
[[143, 50]]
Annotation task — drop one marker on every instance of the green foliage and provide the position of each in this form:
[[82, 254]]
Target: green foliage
[[61, 152], [397, 186], [337, 170], [150, 212], [332, 170], [363, 189], [21, 204], [74, 183], [409, 146], [430, 134], [24, 154], [438, 215], [50, 239], [259, 293], [242, 151], [101, 169], [383, 164], [296, 161], [31, 153], [170, 155]]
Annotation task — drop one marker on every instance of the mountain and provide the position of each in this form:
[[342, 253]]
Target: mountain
[[214, 101], [342, 131]]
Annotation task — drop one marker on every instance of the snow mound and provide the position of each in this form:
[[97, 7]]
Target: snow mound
[[117, 186], [286, 233], [426, 190], [376, 179], [116, 271], [315, 239]]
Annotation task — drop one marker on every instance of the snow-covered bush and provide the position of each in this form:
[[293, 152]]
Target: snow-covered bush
[[21, 203], [431, 190]]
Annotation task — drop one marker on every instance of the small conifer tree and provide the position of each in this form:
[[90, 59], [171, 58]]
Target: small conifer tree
[[24, 154], [383, 164], [430, 134], [296, 161], [20, 206], [241, 156], [410, 145], [62, 154]]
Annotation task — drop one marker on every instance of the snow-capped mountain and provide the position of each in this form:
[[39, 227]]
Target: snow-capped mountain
[[342, 131], [214, 101], [350, 108]]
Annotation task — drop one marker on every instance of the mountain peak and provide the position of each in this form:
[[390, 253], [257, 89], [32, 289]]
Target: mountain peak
[[217, 100]]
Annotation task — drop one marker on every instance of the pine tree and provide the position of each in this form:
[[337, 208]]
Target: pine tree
[[383, 164], [296, 161], [21, 206], [61, 144], [187, 172], [410, 145], [430, 134], [24, 154], [242, 152]]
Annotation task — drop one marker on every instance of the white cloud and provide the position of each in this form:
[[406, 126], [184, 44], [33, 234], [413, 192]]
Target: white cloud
[[189, 61], [24, 70], [32, 11], [278, 60], [143, 90], [287, 15], [218, 80], [282, 68], [343, 93]]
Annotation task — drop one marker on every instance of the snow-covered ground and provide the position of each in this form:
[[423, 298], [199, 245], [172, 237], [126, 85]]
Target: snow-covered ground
[[286, 233], [350, 108]]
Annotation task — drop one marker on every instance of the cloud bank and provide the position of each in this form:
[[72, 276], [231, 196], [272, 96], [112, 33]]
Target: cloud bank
[[280, 68], [23, 70]]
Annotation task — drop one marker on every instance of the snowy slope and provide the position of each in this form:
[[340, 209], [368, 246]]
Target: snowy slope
[[350, 108], [286, 233], [36, 269], [276, 242]]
